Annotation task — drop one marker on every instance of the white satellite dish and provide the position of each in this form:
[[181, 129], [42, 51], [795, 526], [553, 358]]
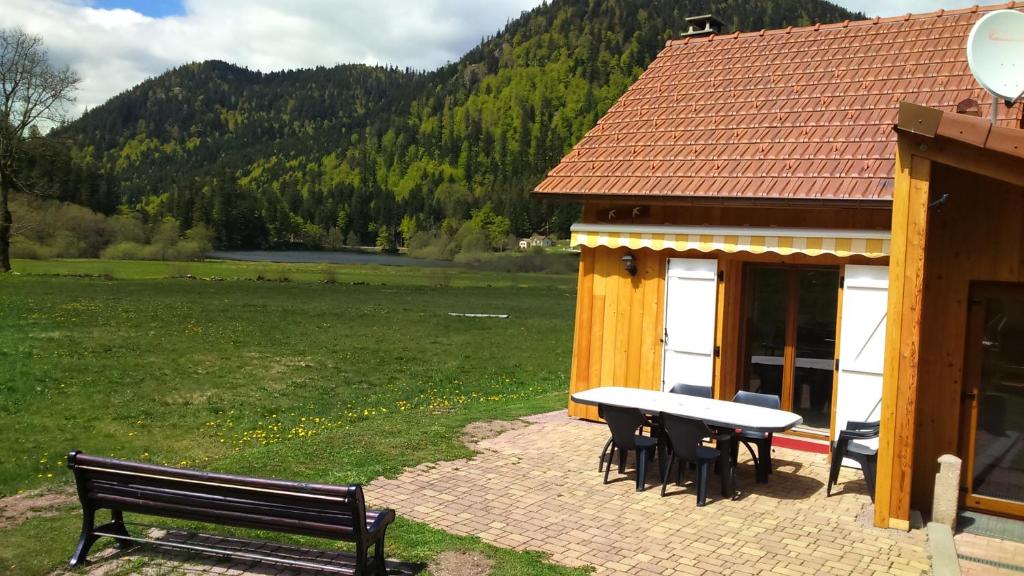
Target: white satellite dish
[[995, 53]]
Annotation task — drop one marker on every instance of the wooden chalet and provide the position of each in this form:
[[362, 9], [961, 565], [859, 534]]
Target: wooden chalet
[[759, 215]]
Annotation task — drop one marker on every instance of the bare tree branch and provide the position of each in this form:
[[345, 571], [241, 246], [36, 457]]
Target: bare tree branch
[[32, 92]]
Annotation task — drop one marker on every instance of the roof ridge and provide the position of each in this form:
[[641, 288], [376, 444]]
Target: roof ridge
[[1012, 4]]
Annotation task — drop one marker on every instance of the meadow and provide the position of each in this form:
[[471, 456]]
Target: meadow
[[299, 371]]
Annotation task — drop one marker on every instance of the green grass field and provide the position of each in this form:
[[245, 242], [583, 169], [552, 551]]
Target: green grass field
[[323, 373]]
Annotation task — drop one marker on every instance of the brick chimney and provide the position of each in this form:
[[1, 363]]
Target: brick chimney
[[703, 26]]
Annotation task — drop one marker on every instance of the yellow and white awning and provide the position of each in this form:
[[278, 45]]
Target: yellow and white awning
[[731, 239]]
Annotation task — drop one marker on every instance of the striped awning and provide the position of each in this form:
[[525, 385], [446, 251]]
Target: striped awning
[[731, 239]]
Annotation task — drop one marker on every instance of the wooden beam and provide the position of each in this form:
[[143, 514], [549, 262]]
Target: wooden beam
[[903, 336], [789, 354], [720, 319], [966, 157], [838, 343], [730, 301]]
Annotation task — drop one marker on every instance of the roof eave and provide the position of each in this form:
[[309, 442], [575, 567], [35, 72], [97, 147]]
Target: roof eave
[[759, 202]]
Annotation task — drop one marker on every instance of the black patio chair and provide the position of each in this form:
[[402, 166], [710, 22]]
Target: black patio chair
[[692, 390], [624, 424], [684, 439], [684, 389], [750, 439], [846, 446], [608, 444]]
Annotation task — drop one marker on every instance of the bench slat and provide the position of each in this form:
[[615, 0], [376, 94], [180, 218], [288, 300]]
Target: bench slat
[[103, 479], [218, 516], [115, 475], [206, 502], [86, 461]]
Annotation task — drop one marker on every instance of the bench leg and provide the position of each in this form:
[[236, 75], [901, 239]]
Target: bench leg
[[86, 540], [117, 527], [378, 555], [360, 559]]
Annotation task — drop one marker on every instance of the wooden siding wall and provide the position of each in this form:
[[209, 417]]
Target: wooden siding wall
[[620, 319], [977, 235], [619, 323]]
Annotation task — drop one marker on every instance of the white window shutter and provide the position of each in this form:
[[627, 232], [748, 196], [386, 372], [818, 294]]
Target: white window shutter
[[862, 346], [691, 292]]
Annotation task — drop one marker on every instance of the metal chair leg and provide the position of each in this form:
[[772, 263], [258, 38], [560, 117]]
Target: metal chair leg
[[838, 453], [868, 467], [608, 468], [604, 452], [666, 472]]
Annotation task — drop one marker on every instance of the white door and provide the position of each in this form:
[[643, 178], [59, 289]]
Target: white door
[[862, 346], [691, 291]]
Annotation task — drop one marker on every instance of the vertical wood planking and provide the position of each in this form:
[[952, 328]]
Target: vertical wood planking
[[917, 224], [650, 338], [720, 315], [627, 286], [789, 356], [580, 373], [899, 389], [617, 337], [598, 315], [611, 317], [620, 320], [976, 236], [659, 319], [732, 331], [726, 322], [838, 343], [893, 335]]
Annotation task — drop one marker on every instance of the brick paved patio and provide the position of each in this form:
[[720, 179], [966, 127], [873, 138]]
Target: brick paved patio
[[971, 548], [538, 488]]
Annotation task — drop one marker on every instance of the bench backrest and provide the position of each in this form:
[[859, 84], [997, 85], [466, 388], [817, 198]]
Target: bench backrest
[[336, 512]]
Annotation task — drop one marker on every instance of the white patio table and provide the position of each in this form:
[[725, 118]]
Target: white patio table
[[722, 415]]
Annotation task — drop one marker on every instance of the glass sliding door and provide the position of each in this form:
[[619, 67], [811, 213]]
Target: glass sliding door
[[766, 297], [815, 347], [994, 394], [790, 338]]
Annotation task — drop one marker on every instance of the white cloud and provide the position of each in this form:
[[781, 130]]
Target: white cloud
[[897, 7], [114, 50]]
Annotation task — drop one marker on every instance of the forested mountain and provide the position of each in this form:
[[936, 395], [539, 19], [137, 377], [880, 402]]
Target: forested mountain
[[358, 154]]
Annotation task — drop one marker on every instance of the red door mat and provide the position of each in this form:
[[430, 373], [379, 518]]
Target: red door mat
[[797, 444]]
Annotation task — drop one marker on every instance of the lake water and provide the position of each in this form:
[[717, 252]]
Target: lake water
[[316, 257]]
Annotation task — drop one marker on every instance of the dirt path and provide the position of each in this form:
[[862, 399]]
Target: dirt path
[[38, 503], [477, 432]]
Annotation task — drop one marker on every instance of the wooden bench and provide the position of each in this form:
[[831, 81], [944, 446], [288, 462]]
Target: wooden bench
[[326, 511]]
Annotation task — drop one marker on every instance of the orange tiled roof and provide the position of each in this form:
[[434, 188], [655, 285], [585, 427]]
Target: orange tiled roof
[[797, 113]]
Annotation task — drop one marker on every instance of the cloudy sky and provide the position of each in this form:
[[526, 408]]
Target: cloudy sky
[[115, 44]]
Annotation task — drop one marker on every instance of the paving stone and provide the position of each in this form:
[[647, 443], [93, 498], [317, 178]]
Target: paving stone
[[537, 488]]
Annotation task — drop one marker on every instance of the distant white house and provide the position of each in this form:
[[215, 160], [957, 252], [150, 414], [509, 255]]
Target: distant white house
[[535, 240]]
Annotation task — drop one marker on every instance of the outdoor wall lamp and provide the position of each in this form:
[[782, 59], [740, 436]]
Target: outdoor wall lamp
[[630, 263]]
